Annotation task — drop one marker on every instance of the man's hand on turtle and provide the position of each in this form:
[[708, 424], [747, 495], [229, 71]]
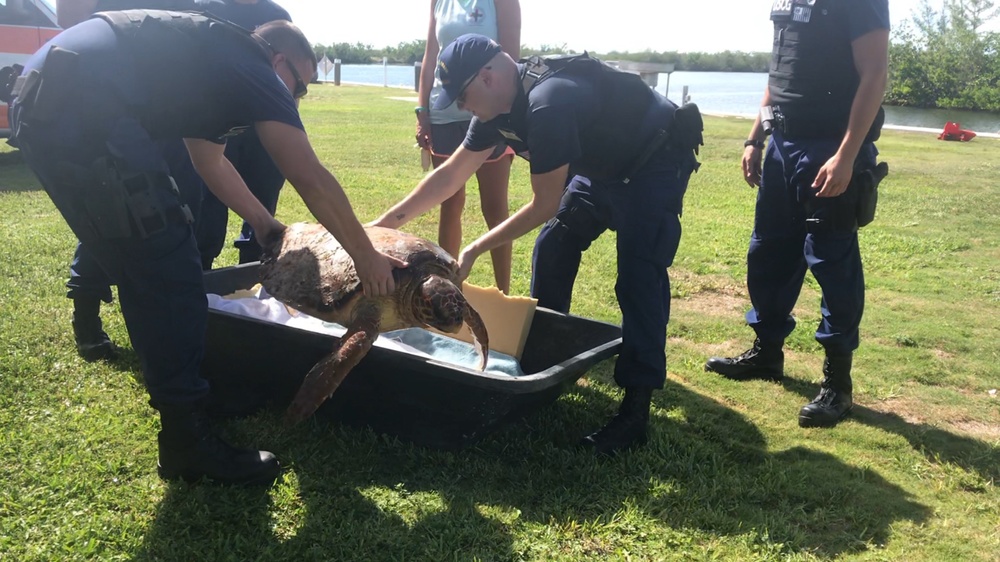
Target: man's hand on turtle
[[270, 233], [375, 271]]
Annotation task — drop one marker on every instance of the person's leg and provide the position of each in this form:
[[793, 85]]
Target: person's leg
[[159, 280], [264, 180], [163, 302], [493, 179], [210, 229], [450, 220], [582, 217], [835, 261], [775, 270], [646, 219], [88, 285], [445, 140]]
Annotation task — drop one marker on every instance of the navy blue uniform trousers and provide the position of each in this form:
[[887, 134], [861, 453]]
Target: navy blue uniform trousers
[[159, 278], [781, 249], [264, 180], [645, 214], [86, 278]]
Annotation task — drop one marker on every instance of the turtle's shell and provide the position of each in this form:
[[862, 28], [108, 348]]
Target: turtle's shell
[[309, 270]]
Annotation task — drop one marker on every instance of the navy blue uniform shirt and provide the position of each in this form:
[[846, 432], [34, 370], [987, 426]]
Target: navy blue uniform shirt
[[554, 125], [238, 84], [547, 126], [864, 16]]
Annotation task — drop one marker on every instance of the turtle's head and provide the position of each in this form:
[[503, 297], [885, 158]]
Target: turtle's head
[[440, 304]]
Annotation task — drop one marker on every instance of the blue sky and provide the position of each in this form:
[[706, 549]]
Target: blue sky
[[658, 25]]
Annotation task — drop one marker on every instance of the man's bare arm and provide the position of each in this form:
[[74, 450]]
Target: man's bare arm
[[437, 186]]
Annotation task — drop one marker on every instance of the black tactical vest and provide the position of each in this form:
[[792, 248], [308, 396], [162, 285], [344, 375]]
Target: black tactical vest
[[631, 113], [812, 74], [170, 53], [115, 5]]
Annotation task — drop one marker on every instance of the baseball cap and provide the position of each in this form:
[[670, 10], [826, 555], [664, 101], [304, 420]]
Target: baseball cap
[[459, 63]]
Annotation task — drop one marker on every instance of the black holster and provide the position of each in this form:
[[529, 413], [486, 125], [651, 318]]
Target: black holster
[[866, 182], [686, 128], [852, 209], [120, 204], [579, 218], [684, 134]]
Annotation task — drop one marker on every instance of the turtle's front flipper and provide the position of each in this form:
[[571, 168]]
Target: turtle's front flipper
[[480, 338], [324, 378]]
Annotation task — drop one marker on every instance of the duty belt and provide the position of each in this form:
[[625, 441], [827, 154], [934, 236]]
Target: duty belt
[[795, 127]]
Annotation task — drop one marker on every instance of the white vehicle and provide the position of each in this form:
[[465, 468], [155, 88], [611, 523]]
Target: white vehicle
[[25, 25]]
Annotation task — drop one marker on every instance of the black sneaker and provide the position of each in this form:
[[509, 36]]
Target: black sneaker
[[762, 362], [829, 407]]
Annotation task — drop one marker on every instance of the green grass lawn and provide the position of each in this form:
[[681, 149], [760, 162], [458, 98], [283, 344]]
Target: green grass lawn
[[728, 474]]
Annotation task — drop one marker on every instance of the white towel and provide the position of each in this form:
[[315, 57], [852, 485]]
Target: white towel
[[415, 341]]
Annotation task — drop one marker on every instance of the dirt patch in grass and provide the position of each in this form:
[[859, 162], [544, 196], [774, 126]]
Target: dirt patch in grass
[[915, 411], [942, 354], [725, 300]]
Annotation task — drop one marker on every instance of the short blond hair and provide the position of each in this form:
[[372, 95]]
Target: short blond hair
[[286, 38]]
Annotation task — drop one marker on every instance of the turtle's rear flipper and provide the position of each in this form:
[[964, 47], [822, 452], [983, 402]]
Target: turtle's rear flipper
[[480, 338], [324, 378]]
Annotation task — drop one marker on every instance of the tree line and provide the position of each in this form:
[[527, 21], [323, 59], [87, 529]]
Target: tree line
[[944, 58], [413, 51], [937, 59]]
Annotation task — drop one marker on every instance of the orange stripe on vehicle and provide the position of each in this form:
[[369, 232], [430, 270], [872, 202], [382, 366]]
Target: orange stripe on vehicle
[[21, 40]]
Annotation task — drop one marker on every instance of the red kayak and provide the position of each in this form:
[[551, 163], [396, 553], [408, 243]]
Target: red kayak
[[954, 132]]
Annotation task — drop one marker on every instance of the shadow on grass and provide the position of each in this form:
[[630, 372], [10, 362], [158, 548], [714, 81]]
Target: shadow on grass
[[15, 175], [12, 158], [706, 471], [199, 521], [936, 444]]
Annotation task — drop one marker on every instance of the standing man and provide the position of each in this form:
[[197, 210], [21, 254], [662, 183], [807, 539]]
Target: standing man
[[828, 75], [577, 117], [245, 151], [88, 115]]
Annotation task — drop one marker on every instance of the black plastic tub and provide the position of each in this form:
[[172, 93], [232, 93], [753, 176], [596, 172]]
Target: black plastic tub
[[254, 364]]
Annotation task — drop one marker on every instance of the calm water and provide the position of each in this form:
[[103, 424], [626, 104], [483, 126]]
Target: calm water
[[737, 93]]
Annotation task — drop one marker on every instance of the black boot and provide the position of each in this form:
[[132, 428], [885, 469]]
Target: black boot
[[92, 343], [833, 402], [764, 361], [189, 450], [628, 429]]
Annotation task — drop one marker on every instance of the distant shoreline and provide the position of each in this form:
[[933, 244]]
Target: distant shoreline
[[748, 116]]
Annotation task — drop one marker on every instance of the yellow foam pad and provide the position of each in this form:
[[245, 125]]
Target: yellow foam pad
[[507, 318]]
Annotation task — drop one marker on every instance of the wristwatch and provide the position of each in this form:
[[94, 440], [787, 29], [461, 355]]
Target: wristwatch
[[753, 142], [418, 109]]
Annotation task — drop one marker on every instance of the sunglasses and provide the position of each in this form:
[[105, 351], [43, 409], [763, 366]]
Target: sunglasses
[[460, 99], [300, 87]]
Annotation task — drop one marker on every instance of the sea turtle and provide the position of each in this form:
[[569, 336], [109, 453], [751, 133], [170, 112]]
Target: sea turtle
[[309, 270]]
